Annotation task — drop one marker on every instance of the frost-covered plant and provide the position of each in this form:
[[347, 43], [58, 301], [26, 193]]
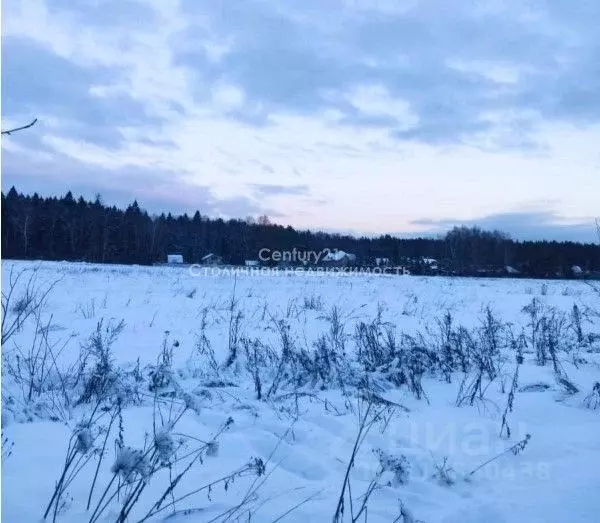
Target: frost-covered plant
[[84, 440], [337, 331], [291, 366], [463, 345], [101, 379], [130, 462], [7, 448], [491, 334], [212, 449], [133, 468], [165, 445], [576, 323], [284, 371], [258, 359], [204, 350], [505, 427], [472, 387], [101, 451], [515, 449], [444, 339], [567, 386], [534, 310], [34, 368], [255, 467], [457, 348], [375, 343], [328, 365], [417, 359], [191, 402], [399, 466], [79, 453], [325, 360], [235, 323], [330, 368], [592, 400], [22, 297], [390, 360], [484, 351], [410, 305], [161, 374], [368, 416], [313, 303], [444, 474], [406, 515], [88, 310], [553, 334]]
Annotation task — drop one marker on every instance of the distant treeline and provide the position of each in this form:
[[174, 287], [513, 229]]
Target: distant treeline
[[75, 229]]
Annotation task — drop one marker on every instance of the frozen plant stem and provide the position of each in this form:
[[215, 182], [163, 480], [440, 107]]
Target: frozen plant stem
[[515, 449]]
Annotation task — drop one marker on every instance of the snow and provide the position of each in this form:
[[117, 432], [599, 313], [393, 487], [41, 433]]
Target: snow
[[305, 443]]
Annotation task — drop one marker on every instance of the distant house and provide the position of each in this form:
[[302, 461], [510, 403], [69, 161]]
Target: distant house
[[211, 259], [431, 263], [577, 270], [339, 258], [382, 262], [251, 263], [511, 270], [174, 258]]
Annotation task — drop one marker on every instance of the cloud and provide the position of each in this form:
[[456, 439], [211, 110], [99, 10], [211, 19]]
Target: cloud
[[441, 68], [276, 190], [385, 110], [156, 191], [532, 226], [229, 97]]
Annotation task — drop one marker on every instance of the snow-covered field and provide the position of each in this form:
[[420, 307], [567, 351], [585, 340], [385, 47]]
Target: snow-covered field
[[133, 376]]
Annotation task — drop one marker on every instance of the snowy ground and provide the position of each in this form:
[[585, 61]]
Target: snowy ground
[[303, 433]]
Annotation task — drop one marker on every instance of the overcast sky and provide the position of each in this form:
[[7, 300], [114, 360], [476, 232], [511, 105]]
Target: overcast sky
[[378, 116]]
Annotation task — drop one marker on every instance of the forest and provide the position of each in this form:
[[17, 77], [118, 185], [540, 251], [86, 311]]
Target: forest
[[69, 228]]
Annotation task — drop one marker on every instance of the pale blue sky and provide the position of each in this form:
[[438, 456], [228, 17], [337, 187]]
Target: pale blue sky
[[374, 116]]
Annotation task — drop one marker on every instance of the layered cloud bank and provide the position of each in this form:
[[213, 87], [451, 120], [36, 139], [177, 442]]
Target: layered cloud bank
[[370, 116]]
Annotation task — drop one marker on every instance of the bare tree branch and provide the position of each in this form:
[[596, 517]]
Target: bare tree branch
[[10, 131]]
